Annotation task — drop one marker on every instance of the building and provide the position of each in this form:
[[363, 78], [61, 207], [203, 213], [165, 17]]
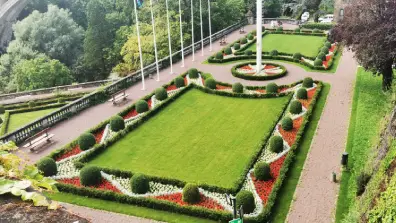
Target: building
[[339, 7]]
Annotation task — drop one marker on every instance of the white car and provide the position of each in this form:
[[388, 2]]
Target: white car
[[326, 19], [305, 16]]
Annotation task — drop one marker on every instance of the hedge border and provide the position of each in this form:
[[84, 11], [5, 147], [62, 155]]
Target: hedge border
[[40, 102], [237, 74], [6, 122]]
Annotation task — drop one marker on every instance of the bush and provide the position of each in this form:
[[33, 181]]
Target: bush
[[47, 166], [117, 123], [254, 32], [245, 199], [2, 109], [86, 141], [325, 50], [250, 36], [248, 52], [279, 29], [272, 88], [276, 144], [321, 56], [244, 41], [316, 31], [237, 88], [287, 124], [179, 82], [61, 100], [318, 62], [262, 171], [228, 51], [191, 193], [210, 83], [274, 53], [141, 106], [328, 44], [307, 82], [297, 56], [295, 107], [361, 183], [161, 94], [1, 120], [139, 184], [237, 46], [32, 104], [297, 30], [219, 56], [193, 73], [90, 176], [302, 93]]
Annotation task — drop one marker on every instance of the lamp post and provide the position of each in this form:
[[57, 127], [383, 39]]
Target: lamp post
[[200, 12], [210, 28], [169, 37], [192, 31], [139, 45], [155, 40], [181, 34], [231, 200]]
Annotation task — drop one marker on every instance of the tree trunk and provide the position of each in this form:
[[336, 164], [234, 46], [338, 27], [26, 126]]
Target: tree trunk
[[387, 75]]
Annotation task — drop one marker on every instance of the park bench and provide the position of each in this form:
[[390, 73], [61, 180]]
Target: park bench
[[242, 30], [119, 96], [38, 140], [223, 41]]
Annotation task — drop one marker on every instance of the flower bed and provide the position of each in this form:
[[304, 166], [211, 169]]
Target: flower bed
[[247, 71], [104, 185], [204, 201]]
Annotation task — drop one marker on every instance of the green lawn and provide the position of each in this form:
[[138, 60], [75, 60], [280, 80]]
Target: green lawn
[[306, 45], [369, 107], [20, 119], [201, 138]]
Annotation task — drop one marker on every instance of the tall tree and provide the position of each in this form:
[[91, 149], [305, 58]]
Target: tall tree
[[369, 28]]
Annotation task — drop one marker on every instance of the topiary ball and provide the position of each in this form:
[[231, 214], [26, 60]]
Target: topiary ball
[[295, 107], [272, 88], [179, 82], [193, 73], [276, 144], [47, 166], [210, 83], [248, 52], [219, 56], [244, 41], [2, 109], [318, 62], [274, 53], [141, 106], [328, 44], [262, 171], [237, 46], [302, 93], [321, 56], [254, 32], [287, 124], [117, 123], [86, 141], [90, 176], [237, 88], [297, 30], [245, 199], [250, 36], [228, 51], [316, 31], [325, 50], [139, 184], [32, 104], [307, 82], [161, 94], [279, 29], [297, 56], [191, 193]]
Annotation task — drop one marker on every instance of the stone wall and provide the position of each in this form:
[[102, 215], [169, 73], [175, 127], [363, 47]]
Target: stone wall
[[339, 7]]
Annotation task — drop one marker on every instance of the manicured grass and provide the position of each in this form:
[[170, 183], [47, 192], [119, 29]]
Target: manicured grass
[[306, 45], [369, 107], [20, 119], [201, 138], [286, 193], [125, 208]]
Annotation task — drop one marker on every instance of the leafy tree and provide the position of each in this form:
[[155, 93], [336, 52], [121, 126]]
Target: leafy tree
[[312, 5], [369, 28], [272, 8]]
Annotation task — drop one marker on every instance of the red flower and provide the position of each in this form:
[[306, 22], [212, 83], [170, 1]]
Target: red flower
[[104, 185], [99, 135], [221, 87], [76, 150], [205, 202], [171, 88], [290, 136], [307, 102], [131, 114]]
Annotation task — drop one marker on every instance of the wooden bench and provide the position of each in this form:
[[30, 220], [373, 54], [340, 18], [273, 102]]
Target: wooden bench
[[242, 30], [39, 140], [119, 96], [223, 41]]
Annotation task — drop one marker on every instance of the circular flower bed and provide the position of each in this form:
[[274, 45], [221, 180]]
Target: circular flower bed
[[269, 71]]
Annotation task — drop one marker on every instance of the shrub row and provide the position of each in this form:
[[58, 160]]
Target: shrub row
[[38, 108], [235, 73], [47, 101], [320, 26], [4, 125]]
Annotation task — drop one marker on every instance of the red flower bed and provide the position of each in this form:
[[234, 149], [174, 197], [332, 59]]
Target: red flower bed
[[99, 135], [264, 188], [269, 67], [280, 90], [328, 57], [149, 103], [307, 102], [246, 67], [131, 114], [221, 87], [104, 185], [76, 150], [171, 88], [290, 136], [178, 198], [333, 47], [262, 91], [185, 80]]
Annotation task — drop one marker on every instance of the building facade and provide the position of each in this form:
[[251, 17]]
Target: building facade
[[339, 9]]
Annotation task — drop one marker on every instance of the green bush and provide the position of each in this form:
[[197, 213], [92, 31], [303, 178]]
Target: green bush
[[139, 184], [90, 176], [307, 82], [237, 46], [361, 183], [276, 144], [86, 141], [328, 44], [325, 50], [297, 56], [262, 171], [245, 199], [161, 94], [117, 123], [1, 120], [2, 109], [279, 29], [141, 106], [32, 104], [210, 83], [318, 62], [193, 73], [297, 30], [254, 32], [321, 26], [321, 56], [61, 100], [272, 88], [316, 31], [47, 166], [237, 88], [295, 107], [228, 51], [248, 52], [274, 53], [244, 41], [219, 56], [250, 36], [302, 93], [179, 82], [191, 193], [287, 124]]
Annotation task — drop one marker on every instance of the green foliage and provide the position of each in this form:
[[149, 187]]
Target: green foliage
[[276, 144], [318, 62], [2, 109], [361, 183], [248, 52], [219, 55], [139, 184], [245, 199], [385, 208], [250, 36], [297, 30], [86, 141], [320, 26], [179, 82], [272, 88], [316, 31], [47, 166], [287, 123], [328, 44], [142, 106], [262, 171], [308, 82], [210, 83], [279, 29], [117, 123], [90, 176], [295, 107], [325, 50], [302, 93], [244, 41], [32, 104], [1, 121], [237, 88], [161, 94], [191, 194], [297, 56], [228, 51], [274, 53], [193, 73], [321, 56], [237, 46]]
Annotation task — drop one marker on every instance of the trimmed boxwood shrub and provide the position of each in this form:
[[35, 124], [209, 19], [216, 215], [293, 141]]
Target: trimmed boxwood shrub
[[274, 53], [325, 50], [328, 44], [295, 107], [161, 94], [219, 56], [250, 36], [272, 88], [321, 56], [248, 52], [302, 93], [32, 104], [193, 73], [228, 51], [279, 29], [262, 171], [297, 56], [318, 62], [86, 141], [297, 30], [245, 199], [47, 166], [142, 106], [117, 123], [191, 193], [90, 176], [179, 82], [276, 144], [139, 184], [237, 88], [237, 46], [316, 31], [254, 32], [244, 41], [287, 123], [210, 83], [2, 109], [308, 82]]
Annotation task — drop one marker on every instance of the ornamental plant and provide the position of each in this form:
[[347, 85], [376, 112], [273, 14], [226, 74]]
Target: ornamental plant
[[237, 88], [248, 52], [297, 30], [32, 104], [302, 93], [262, 171], [279, 29], [321, 56], [117, 123], [324, 50], [191, 194], [219, 56], [328, 44], [287, 123], [316, 31], [276, 144], [250, 36], [318, 62], [245, 199], [307, 82], [161, 94], [297, 56], [237, 46], [179, 82], [210, 83], [86, 141], [139, 184], [272, 88], [141, 106], [244, 41], [47, 166], [295, 107], [228, 51], [254, 32], [193, 73], [90, 176], [274, 53]]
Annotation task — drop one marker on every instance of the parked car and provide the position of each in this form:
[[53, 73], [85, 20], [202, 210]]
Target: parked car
[[326, 19], [305, 16]]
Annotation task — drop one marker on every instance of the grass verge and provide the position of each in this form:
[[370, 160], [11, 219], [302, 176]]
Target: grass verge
[[20, 119]]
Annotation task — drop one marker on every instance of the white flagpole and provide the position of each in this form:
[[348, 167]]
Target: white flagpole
[[192, 31], [140, 48], [169, 37], [259, 36], [155, 40], [200, 12], [210, 28], [181, 35]]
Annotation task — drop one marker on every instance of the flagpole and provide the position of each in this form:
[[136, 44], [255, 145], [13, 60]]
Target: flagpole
[[200, 12], [192, 31], [155, 40], [259, 35], [210, 28], [169, 37], [181, 34], [140, 48]]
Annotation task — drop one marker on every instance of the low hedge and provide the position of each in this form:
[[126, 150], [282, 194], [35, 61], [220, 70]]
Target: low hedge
[[6, 121], [48, 101], [235, 73], [321, 26]]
